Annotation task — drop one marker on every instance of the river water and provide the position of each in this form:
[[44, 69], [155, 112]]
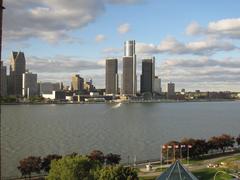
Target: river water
[[134, 129]]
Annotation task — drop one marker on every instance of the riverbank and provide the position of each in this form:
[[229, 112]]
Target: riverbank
[[197, 167], [123, 102]]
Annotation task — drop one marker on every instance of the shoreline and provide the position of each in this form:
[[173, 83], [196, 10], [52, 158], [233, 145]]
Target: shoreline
[[123, 102]]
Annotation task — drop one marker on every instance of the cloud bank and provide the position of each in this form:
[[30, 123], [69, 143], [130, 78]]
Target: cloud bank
[[53, 20]]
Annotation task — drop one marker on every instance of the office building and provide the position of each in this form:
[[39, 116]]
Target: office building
[[3, 80], [55, 95], [77, 83], [17, 68], [111, 79], [148, 75], [30, 85], [171, 91], [129, 77], [48, 87], [129, 48], [157, 85]]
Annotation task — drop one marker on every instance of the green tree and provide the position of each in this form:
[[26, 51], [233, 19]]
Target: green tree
[[112, 159], [74, 168], [116, 173], [30, 165], [46, 162]]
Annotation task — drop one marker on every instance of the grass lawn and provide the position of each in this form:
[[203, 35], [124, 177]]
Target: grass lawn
[[208, 174]]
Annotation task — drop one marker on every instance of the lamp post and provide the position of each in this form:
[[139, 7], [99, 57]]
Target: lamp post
[[1, 18]]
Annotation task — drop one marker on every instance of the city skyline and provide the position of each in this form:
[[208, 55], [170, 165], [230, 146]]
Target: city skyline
[[194, 50]]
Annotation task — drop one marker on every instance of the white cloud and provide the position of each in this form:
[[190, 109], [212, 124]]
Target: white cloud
[[51, 20], [112, 51], [193, 28], [124, 28], [229, 28], [201, 73], [63, 64], [100, 38], [124, 1], [170, 45]]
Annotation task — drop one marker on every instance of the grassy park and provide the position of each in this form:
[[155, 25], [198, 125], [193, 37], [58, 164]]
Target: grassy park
[[229, 165]]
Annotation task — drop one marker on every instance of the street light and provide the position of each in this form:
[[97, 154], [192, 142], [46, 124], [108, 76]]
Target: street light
[[218, 173]]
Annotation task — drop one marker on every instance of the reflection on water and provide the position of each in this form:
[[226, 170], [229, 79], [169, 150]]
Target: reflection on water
[[127, 129]]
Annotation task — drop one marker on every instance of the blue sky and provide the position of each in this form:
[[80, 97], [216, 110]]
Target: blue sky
[[196, 43]]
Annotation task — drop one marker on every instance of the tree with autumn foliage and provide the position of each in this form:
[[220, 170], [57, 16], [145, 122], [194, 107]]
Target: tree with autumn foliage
[[97, 155], [30, 165], [221, 142]]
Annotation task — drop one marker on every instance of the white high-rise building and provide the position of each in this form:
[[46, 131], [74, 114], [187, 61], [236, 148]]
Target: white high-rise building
[[129, 69], [29, 83]]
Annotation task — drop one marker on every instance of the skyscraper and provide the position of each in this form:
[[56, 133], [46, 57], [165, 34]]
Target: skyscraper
[[30, 86], [171, 90], [111, 76], [148, 75], [3, 80], [17, 68], [129, 48], [157, 85], [77, 83], [129, 77]]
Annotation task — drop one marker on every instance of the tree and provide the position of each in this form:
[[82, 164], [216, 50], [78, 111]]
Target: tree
[[97, 155], [45, 165], [221, 142], [199, 147], [112, 159], [74, 168], [238, 140], [116, 173], [30, 165]]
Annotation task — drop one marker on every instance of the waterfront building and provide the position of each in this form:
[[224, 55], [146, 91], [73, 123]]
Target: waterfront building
[[30, 86], [148, 75], [111, 76], [171, 91], [129, 77], [183, 91], [17, 68], [3, 80], [77, 83], [55, 95], [157, 85]]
